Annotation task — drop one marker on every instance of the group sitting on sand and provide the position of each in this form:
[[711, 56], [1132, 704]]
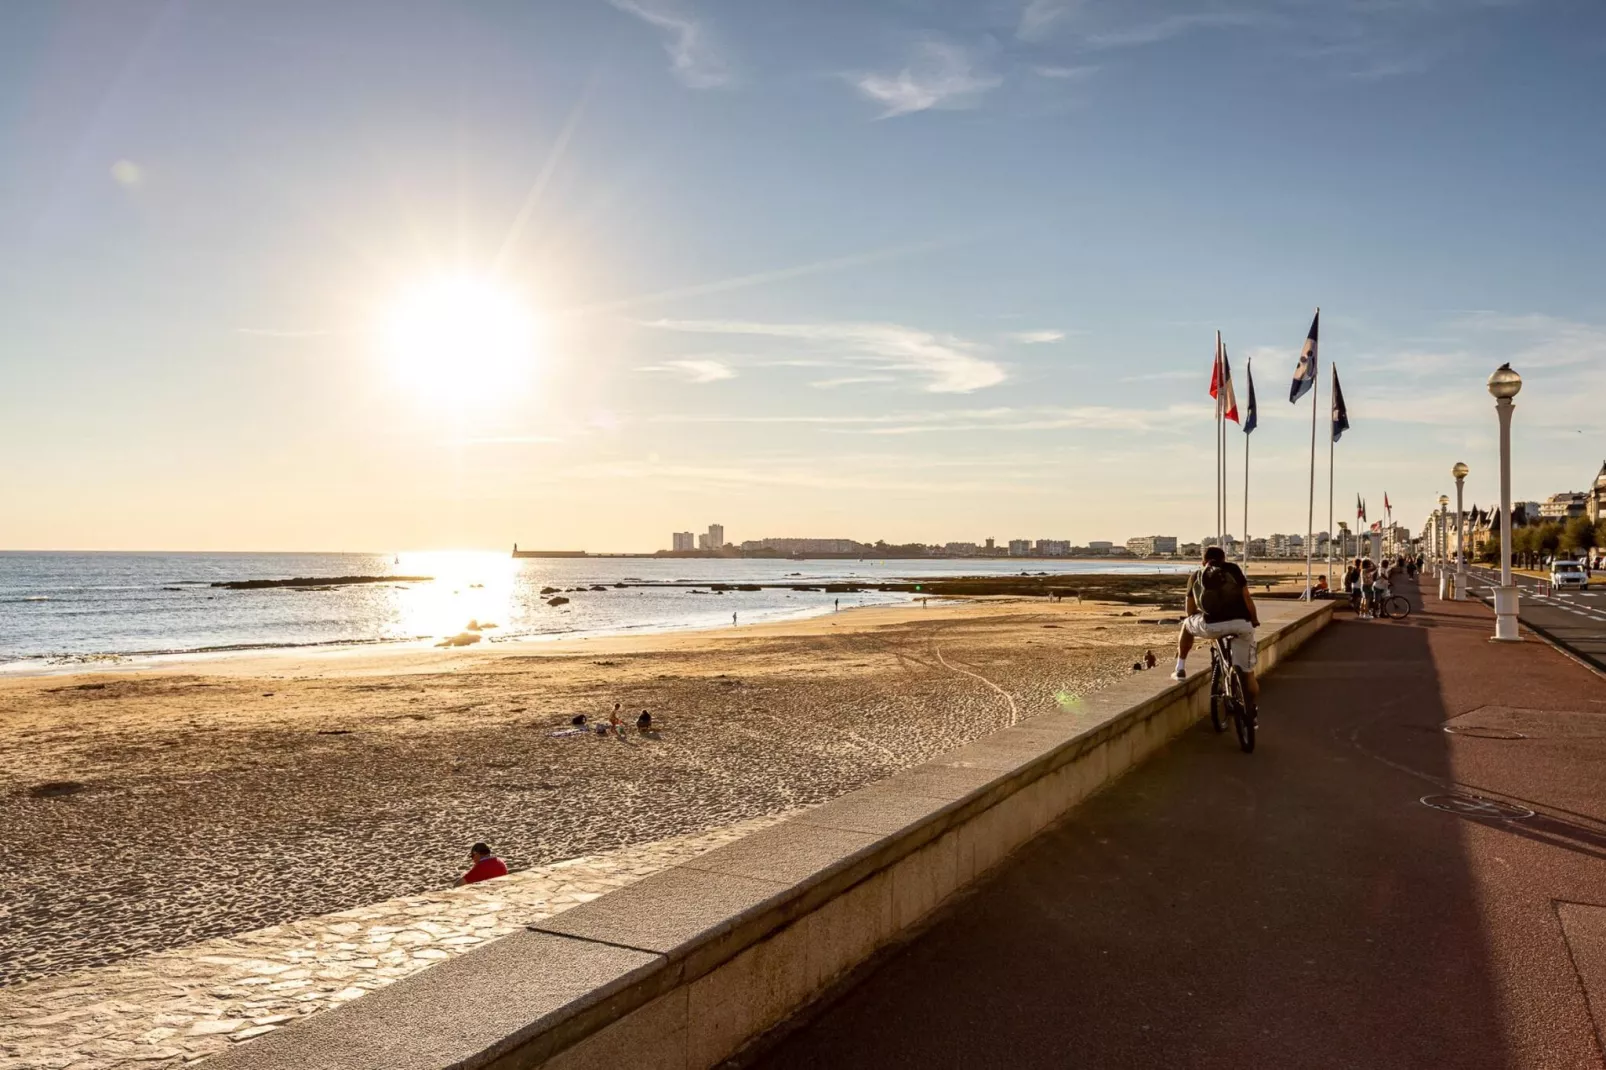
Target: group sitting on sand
[[616, 724]]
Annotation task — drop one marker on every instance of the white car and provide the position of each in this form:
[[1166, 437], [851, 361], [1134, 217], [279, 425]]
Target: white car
[[1569, 576]]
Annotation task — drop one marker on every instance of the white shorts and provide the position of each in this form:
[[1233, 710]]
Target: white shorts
[[1244, 648]]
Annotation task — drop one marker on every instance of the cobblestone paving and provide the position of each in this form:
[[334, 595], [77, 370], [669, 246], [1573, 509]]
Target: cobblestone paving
[[172, 1008]]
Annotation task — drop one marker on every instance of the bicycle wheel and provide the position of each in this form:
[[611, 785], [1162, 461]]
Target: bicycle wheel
[[1218, 716], [1238, 706], [1397, 607]]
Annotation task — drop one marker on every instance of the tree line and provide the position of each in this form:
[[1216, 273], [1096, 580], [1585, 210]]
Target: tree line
[[1531, 544]]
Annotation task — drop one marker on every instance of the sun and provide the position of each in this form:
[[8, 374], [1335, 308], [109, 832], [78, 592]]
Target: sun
[[459, 339]]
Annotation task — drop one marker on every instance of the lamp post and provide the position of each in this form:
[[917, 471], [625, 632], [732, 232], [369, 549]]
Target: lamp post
[[1460, 472], [1503, 385], [1443, 547]]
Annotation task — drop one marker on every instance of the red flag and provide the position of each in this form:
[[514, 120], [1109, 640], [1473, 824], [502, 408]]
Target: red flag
[[1221, 384], [1387, 508]]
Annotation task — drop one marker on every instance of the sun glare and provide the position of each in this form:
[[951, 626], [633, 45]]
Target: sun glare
[[461, 339]]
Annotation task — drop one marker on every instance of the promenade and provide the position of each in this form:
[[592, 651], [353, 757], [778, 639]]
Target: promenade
[[1301, 907]]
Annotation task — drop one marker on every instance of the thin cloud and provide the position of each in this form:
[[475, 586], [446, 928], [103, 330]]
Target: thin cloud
[[1064, 73], [1148, 33], [694, 371], [952, 365], [940, 75], [849, 380], [1036, 338], [692, 55], [1038, 18], [1168, 418]]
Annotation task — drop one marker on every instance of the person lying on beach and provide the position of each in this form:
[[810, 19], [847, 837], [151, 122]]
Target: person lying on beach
[[578, 720], [485, 866]]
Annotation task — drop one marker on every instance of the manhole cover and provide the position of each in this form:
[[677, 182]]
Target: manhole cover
[[1482, 732], [1472, 806]]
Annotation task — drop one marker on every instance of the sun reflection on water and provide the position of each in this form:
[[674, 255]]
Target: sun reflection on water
[[469, 587]]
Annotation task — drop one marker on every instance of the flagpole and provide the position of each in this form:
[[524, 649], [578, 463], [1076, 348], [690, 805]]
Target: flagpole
[[1249, 375], [1330, 443], [1310, 510], [1219, 424]]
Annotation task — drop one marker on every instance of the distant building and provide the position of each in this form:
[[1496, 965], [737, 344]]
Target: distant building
[[1097, 545], [1053, 547], [684, 540], [1258, 548], [716, 536], [960, 549], [990, 546], [1597, 496], [702, 542], [1020, 547], [1568, 503], [1150, 545], [1190, 549], [806, 546]]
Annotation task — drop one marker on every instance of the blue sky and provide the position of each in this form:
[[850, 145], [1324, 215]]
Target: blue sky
[[912, 270]]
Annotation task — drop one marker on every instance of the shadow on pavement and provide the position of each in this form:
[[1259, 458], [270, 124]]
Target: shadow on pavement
[[1293, 908]]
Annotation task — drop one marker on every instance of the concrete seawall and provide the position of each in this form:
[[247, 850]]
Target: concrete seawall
[[685, 967]]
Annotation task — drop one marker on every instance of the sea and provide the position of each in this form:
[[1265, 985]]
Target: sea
[[72, 609]]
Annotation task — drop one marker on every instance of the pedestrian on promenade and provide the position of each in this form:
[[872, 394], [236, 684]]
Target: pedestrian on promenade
[[1149, 659], [484, 865]]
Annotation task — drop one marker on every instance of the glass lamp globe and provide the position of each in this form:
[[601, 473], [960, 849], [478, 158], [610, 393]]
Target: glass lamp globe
[[1444, 499], [1505, 383], [1460, 470]]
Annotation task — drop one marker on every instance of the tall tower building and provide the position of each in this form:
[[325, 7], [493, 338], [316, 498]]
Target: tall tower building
[[716, 536]]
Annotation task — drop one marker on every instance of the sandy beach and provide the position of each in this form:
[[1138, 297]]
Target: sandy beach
[[151, 810]]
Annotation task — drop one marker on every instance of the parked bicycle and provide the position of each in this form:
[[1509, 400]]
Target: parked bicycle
[[1394, 607], [1228, 699]]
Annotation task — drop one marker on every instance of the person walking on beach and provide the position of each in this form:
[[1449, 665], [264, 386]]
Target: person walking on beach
[[837, 605], [1219, 605], [484, 866], [733, 620]]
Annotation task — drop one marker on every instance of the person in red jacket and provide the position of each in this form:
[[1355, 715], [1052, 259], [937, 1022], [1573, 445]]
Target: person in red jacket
[[486, 865]]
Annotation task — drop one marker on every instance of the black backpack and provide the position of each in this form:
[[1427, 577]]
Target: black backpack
[[1223, 595]]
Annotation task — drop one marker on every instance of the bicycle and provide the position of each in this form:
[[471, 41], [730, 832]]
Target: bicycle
[[1227, 695], [1395, 607]]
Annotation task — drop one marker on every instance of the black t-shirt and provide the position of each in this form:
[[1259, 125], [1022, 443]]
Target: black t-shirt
[[1237, 610]]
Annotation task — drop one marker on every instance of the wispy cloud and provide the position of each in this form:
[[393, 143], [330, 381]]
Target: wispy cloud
[[1169, 26], [693, 57], [1178, 418], [1035, 338], [849, 380], [1039, 17], [1064, 73], [694, 371], [939, 75], [952, 365]]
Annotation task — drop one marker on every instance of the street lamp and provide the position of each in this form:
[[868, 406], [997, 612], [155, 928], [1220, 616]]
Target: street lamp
[[1442, 547], [1504, 385], [1460, 472]]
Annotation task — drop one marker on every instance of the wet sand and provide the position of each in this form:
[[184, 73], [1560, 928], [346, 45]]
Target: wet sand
[[213, 797]]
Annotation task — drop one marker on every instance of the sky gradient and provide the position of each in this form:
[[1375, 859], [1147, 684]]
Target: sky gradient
[[902, 270]]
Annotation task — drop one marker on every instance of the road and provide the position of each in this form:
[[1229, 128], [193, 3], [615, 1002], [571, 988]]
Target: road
[[1575, 620]]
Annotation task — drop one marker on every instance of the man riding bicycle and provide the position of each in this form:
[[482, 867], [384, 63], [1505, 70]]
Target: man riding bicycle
[[1220, 606]]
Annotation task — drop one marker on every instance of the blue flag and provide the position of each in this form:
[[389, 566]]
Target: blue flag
[[1252, 417], [1305, 374], [1340, 413]]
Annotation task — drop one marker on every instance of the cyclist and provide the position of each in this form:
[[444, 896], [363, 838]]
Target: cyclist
[[1219, 605], [1380, 590]]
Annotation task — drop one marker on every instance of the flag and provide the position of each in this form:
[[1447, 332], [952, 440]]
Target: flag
[[1377, 526], [1221, 384], [1340, 413], [1360, 508], [1252, 419], [1387, 508], [1305, 373]]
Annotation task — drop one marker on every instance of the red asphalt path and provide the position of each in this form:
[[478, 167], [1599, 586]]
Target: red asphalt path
[[1298, 907]]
